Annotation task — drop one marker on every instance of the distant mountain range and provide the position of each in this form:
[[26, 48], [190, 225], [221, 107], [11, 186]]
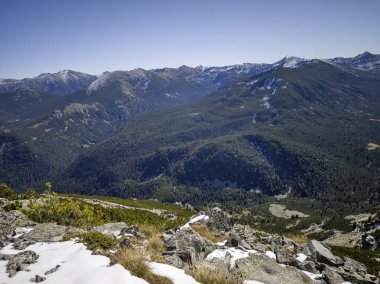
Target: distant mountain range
[[307, 125]]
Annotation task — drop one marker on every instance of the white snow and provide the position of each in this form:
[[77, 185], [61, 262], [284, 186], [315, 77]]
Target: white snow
[[77, 266], [99, 83], [252, 82], [252, 282], [267, 105], [221, 243], [311, 275], [194, 220], [235, 254], [270, 254], [293, 62], [301, 257], [178, 276], [22, 231]]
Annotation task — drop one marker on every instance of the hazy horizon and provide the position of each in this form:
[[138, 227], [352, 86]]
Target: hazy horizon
[[97, 36]]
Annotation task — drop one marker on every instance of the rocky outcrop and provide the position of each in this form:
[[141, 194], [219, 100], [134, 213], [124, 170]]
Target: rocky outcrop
[[9, 221], [321, 254], [111, 229], [264, 269], [20, 262], [246, 253], [218, 219], [186, 246]]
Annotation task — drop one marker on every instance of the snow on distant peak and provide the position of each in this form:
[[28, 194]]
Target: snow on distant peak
[[291, 62], [99, 83]]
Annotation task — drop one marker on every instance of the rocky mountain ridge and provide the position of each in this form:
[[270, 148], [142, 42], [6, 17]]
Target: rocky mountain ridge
[[246, 255]]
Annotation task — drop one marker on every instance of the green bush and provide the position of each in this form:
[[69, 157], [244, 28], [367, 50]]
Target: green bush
[[7, 192], [67, 211], [16, 205], [92, 240], [30, 193]]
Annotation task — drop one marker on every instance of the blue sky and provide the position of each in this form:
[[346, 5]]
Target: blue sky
[[93, 36]]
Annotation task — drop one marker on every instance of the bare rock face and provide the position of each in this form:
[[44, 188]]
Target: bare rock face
[[10, 220], [322, 254], [264, 269], [331, 276], [186, 246], [219, 220], [111, 229]]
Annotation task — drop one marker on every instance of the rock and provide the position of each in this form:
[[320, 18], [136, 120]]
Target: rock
[[308, 266], [232, 243], [52, 270], [331, 276], [352, 266], [130, 230], [244, 245], [97, 252], [38, 279], [112, 229], [46, 232], [20, 261], [126, 242], [321, 254], [266, 270], [218, 220], [369, 242], [283, 257], [188, 246], [10, 220], [351, 239]]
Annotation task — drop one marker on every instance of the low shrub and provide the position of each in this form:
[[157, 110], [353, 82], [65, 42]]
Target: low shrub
[[7, 192], [92, 240], [16, 205]]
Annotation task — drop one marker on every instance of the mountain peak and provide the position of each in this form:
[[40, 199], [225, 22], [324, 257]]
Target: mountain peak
[[291, 62], [365, 55]]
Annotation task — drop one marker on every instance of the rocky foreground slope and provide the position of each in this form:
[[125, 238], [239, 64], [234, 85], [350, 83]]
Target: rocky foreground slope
[[35, 252]]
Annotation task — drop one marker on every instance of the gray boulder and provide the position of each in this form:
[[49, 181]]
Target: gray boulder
[[186, 246], [10, 220], [112, 229], [20, 262], [264, 269], [331, 276], [284, 257], [322, 254], [219, 220]]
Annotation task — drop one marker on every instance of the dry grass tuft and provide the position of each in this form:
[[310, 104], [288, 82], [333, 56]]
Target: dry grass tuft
[[135, 262], [155, 247], [301, 239], [208, 275], [206, 233], [148, 230]]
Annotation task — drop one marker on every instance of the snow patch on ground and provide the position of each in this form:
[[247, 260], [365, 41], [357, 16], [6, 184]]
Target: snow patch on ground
[[270, 254], [311, 275], [76, 265], [178, 276], [301, 257], [235, 254], [252, 282], [21, 231], [194, 220], [221, 243]]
